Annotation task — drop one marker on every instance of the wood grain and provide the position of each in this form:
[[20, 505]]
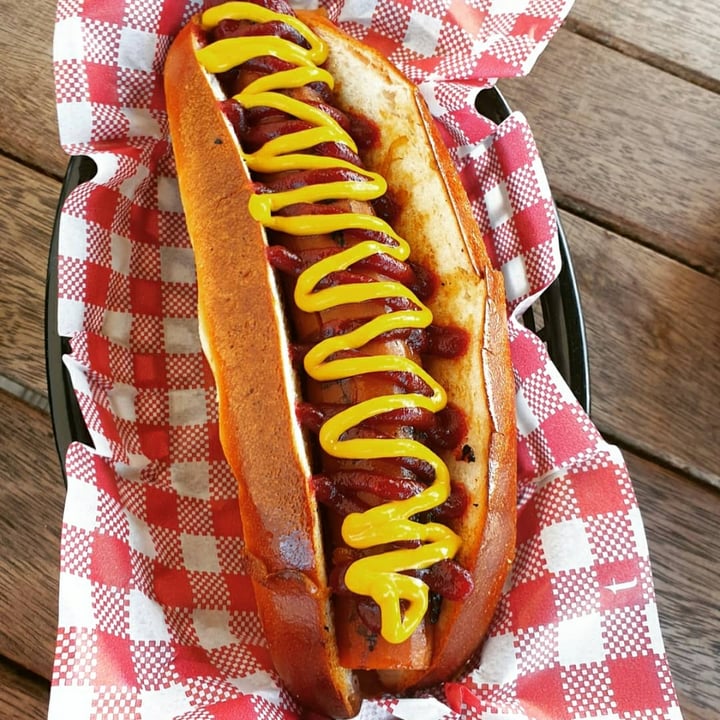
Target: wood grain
[[624, 106], [654, 341], [22, 695], [31, 505], [678, 36], [627, 145], [678, 514], [26, 221], [28, 118]]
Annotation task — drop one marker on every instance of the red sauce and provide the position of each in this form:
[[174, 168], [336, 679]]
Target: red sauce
[[280, 182], [345, 489], [245, 28], [363, 131]]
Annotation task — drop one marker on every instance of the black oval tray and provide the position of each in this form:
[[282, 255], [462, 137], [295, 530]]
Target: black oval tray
[[557, 317]]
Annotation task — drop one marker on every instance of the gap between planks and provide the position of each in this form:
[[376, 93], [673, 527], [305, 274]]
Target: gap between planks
[[642, 54], [678, 467], [618, 225], [22, 692], [27, 395]]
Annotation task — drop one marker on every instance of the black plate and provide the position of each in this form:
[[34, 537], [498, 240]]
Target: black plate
[[68, 423], [556, 318]]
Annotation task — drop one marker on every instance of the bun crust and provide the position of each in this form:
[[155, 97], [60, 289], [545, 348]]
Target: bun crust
[[256, 391], [244, 336]]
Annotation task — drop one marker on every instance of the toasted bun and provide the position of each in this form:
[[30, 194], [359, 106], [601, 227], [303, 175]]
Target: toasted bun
[[244, 336], [437, 220]]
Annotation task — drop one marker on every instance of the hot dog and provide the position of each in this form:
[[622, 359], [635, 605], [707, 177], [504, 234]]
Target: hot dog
[[357, 337]]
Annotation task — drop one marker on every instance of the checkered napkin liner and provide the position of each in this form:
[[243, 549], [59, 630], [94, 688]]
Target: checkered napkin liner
[[156, 615]]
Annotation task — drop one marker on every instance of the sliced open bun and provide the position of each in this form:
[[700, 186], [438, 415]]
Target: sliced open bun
[[244, 335]]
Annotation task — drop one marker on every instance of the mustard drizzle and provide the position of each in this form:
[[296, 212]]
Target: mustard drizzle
[[379, 576]]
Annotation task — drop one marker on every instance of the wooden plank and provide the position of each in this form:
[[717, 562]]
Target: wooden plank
[[678, 36], [28, 107], [681, 520], [627, 145], [22, 695], [655, 392], [26, 222], [31, 498]]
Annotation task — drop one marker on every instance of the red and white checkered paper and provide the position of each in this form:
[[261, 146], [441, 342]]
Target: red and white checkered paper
[[156, 615]]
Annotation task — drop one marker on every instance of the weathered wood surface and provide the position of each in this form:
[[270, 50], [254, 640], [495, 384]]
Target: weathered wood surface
[[628, 146], [680, 37], [31, 497], [28, 121], [624, 106], [654, 348], [22, 695], [26, 221]]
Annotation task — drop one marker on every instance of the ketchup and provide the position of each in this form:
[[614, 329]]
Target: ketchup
[[352, 487]]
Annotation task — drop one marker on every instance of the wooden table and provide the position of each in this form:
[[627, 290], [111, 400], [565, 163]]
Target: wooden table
[[625, 106]]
